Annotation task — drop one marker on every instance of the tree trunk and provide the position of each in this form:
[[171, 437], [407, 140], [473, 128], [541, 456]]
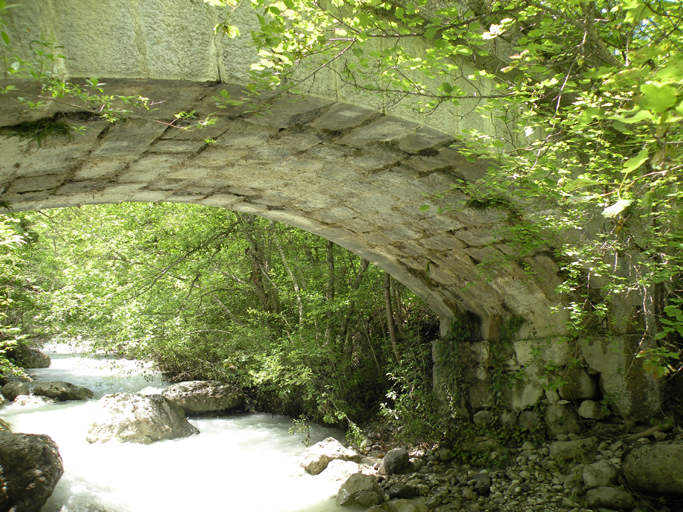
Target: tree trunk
[[349, 312], [260, 266], [390, 317]]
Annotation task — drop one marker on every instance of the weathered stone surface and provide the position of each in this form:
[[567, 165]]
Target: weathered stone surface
[[537, 351], [317, 457], [592, 410], [13, 389], [62, 391], [360, 490], [394, 461], [562, 419], [325, 183], [580, 385], [529, 419], [32, 401], [402, 491], [341, 470], [570, 450], [609, 497], [483, 418], [599, 474], [204, 396], [131, 418], [656, 469], [522, 394], [30, 357], [633, 393], [30, 467], [482, 484], [407, 505]]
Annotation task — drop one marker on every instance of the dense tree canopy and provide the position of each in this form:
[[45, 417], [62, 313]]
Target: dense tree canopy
[[211, 294]]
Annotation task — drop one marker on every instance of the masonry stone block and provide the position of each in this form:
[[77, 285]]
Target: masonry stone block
[[630, 391], [555, 351], [177, 146], [343, 117], [522, 394], [36, 183], [383, 130], [292, 110], [580, 385]]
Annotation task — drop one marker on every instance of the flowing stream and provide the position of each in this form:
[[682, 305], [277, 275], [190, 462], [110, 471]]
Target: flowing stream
[[240, 462]]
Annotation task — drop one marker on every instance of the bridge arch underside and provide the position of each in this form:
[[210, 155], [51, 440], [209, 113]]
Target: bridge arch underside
[[350, 175]]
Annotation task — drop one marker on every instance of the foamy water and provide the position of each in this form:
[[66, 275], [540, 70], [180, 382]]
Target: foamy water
[[241, 462]]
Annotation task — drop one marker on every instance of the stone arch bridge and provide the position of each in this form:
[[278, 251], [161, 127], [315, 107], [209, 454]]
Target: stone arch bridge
[[335, 162], [332, 163]]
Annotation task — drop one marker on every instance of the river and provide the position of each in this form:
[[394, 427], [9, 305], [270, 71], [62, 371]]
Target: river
[[239, 462]]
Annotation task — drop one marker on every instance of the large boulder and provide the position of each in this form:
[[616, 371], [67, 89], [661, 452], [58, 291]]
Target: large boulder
[[30, 467], [609, 498], [655, 468], [394, 461], [143, 419], [318, 456], [360, 490], [13, 389], [30, 357], [62, 391], [199, 396]]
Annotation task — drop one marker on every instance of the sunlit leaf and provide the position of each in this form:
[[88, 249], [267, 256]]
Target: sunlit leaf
[[657, 98], [618, 207], [634, 163]]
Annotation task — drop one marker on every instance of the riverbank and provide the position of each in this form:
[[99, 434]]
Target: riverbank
[[609, 467]]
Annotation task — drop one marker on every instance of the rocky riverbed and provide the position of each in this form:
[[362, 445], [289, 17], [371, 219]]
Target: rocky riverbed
[[637, 472]]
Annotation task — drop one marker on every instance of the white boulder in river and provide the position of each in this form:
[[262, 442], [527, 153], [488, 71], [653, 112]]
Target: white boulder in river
[[198, 396], [318, 456], [143, 419]]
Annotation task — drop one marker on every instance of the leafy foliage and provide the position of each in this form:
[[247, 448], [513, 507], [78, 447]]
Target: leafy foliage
[[17, 292], [211, 294]]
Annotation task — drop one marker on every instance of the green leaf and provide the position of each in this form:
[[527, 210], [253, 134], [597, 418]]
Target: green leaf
[[679, 108], [5, 37], [634, 163], [425, 208], [578, 183], [430, 33], [657, 98], [612, 211]]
